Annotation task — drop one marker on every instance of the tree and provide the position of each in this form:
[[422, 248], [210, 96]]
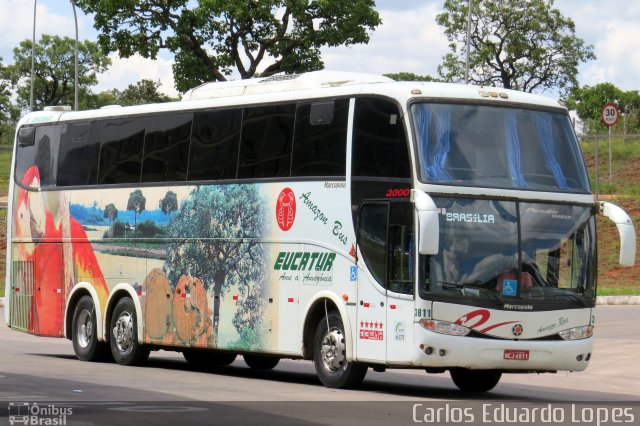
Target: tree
[[169, 203], [215, 237], [110, 212], [143, 92], [517, 44], [9, 113], [589, 100], [137, 202], [54, 74], [409, 76], [211, 37]]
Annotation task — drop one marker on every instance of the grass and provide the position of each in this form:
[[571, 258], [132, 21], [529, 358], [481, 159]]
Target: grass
[[608, 291]]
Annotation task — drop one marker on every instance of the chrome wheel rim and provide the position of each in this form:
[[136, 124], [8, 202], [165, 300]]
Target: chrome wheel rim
[[333, 350], [123, 332], [85, 328]]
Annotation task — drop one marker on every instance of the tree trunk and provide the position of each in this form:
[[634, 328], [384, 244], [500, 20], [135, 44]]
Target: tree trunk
[[217, 290]]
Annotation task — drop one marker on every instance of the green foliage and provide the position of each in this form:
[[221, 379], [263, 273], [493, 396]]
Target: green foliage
[[149, 229], [169, 203], [54, 72], [215, 237], [250, 339], [209, 38], [409, 76], [589, 100], [117, 230], [9, 113], [110, 212], [5, 169], [517, 44], [137, 202]]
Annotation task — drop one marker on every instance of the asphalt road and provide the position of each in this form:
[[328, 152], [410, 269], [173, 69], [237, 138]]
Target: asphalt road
[[166, 390]]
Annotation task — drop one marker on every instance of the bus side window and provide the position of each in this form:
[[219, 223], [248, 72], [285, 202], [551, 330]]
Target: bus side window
[[166, 148], [379, 143], [267, 138], [401, 248], [79, 151], [42, 153], [372, 238], [121, 150], [320, 144], [214, 144]]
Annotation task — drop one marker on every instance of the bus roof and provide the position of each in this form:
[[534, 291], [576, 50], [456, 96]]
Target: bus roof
[[311, 85]]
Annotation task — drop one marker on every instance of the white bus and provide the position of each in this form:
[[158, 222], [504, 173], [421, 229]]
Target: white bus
[[336, 217]]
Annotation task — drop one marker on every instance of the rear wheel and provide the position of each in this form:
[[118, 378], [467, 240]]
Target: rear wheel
[[330, 355], [124, 335], [261, 362], [475, 380], [208, 359], [84, 332]]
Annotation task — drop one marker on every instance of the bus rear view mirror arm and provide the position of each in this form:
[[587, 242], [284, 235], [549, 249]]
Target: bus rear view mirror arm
[[428, 224], [625, 229]]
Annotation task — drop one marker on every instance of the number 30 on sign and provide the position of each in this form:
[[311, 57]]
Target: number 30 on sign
[[610, 114]]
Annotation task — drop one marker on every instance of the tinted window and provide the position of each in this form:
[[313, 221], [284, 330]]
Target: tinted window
[[373, 239], [214, 145], [267, 136], [42, 154], [79, 151], [319, 148], [379, 143], [121, 150], [166, 148]]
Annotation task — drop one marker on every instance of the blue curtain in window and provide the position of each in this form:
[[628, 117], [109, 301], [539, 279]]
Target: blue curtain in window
[[434, 148], [544, 133], [513, 150]]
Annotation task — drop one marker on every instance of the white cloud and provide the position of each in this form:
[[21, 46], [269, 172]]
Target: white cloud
[[408, 40], [126, 71]]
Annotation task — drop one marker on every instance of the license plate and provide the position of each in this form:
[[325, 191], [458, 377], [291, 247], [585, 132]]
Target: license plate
[[516, 355]]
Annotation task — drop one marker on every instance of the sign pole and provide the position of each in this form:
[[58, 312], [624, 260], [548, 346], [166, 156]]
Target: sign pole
[[610, 115], [597, 165]]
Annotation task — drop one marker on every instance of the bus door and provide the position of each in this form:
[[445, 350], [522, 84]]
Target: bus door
[[385, 281]]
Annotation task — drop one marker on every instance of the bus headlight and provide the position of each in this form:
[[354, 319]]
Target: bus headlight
[[444, 327], [577, 333]]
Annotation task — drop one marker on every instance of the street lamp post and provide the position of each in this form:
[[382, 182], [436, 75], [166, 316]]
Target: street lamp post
[[33, 47], [33, 51]]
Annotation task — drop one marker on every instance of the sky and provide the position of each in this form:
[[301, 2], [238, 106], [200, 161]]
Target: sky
[[408, 40]]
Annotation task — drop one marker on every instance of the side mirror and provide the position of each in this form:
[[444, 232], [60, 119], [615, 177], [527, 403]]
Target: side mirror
[[428, 223], [625, 229]]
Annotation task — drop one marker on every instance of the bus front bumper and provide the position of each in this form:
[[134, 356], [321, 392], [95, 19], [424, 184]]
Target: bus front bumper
[[443, 351]]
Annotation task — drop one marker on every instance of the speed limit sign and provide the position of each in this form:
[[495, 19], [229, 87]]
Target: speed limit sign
[[610, 114]]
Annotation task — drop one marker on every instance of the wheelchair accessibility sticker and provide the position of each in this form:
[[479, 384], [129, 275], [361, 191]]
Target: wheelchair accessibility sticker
[[510, 288], [353, 275]]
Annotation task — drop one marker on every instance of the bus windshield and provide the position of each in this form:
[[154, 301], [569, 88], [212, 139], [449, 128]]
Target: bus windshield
[[497, 253], [498, 147]]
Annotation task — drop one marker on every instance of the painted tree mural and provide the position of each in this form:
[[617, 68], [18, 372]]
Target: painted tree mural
[[169, 203], [216, 237], [137, 202]]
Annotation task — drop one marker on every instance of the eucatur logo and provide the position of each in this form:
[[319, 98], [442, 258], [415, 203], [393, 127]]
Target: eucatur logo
[[286, 209]]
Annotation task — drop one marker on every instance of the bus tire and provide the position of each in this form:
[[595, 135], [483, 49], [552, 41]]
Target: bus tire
[[84, 333], [330, 355], [124, 335], [261, 362], [475, 380], [208, 359]]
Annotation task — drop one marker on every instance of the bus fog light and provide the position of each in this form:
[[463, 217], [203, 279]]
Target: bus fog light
[[579, 358], [588, 357], [442, 352], [577, 333], [428, 350], [444, 327]]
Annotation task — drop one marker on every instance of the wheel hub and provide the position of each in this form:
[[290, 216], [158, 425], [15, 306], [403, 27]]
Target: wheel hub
[[123, 332], [85, 328], [333, 350]]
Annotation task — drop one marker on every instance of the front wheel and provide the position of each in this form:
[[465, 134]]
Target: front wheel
[[84, 332], [330, 355], [475, 380], [124, 335], [261, 362]]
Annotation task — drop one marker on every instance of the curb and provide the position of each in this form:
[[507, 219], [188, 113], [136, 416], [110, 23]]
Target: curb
[[618, 300]]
